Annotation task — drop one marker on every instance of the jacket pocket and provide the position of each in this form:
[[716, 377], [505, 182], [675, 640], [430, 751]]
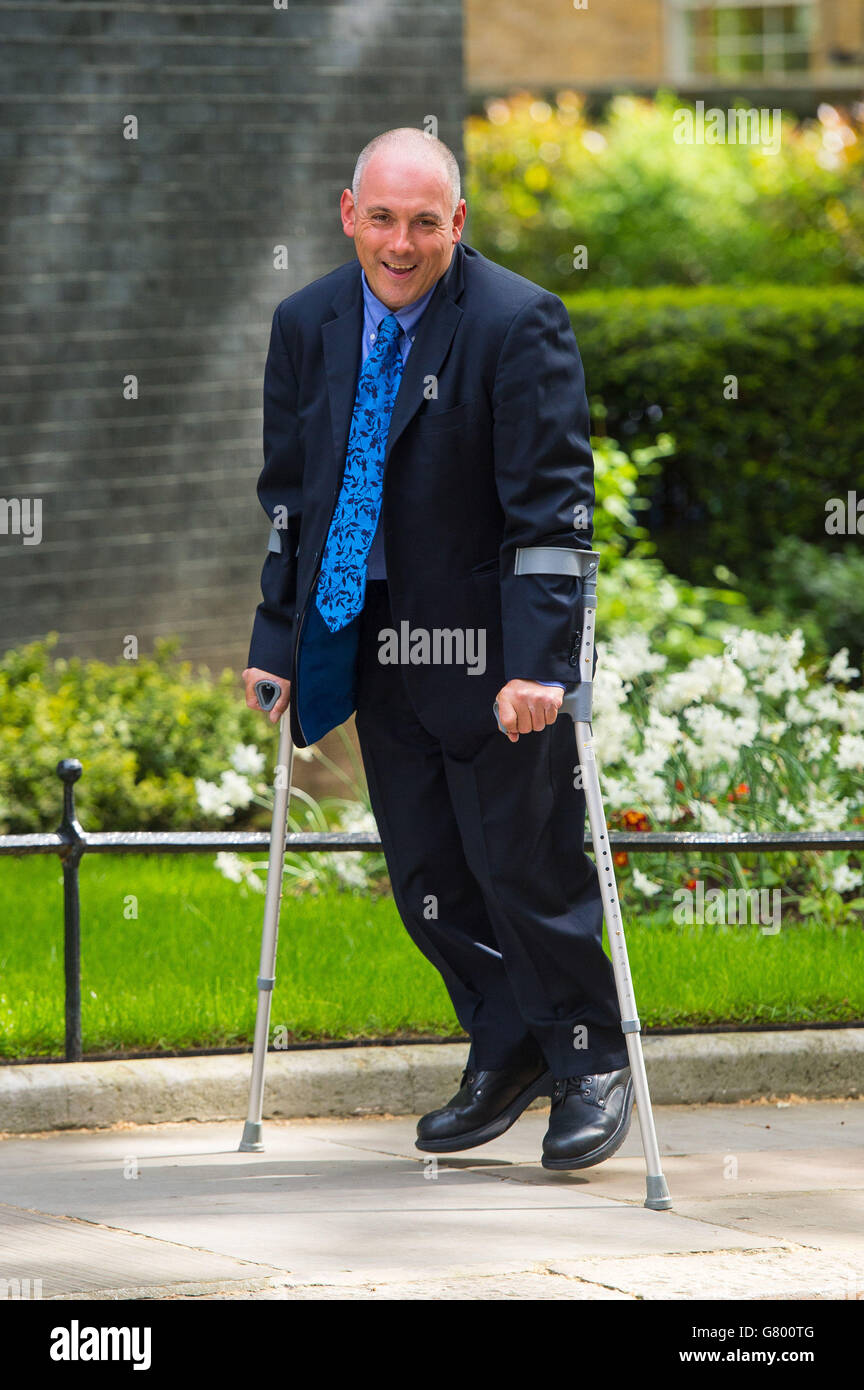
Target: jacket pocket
[[429, 421]]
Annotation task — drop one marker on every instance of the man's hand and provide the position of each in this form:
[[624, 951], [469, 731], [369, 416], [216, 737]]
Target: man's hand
[[250, 676], [526, 706]]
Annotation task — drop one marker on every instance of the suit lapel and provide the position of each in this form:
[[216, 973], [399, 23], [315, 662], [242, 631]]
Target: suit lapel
[[342, 338], [431, 343], [342, 335]]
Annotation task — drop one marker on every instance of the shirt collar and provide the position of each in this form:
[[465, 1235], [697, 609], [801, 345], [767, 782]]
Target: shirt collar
[[407, 317]]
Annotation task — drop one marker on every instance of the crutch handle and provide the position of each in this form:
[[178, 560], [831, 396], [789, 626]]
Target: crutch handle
[[268, 693]]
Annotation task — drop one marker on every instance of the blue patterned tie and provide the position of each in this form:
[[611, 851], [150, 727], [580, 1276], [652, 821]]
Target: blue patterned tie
[[342, 583]]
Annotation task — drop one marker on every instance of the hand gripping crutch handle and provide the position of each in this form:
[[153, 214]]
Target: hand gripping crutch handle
[[577, 704], [268, 693]]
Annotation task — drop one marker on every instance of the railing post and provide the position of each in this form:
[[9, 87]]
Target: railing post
[[74, 844]]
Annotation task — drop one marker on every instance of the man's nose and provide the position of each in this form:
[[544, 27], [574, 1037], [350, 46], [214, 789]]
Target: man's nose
[[402, 240]]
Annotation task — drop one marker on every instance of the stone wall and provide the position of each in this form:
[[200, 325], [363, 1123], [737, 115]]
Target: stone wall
[[153, 258]]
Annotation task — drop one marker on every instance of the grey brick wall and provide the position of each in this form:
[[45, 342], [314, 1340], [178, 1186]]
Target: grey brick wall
[[154, 257]]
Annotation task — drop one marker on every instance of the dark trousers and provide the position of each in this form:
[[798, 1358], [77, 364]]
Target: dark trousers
[[485, 849]]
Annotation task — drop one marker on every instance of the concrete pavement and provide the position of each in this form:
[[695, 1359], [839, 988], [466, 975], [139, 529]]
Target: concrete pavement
[[768, 1203]]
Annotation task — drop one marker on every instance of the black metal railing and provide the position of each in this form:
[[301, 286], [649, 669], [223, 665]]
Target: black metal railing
[[71, 842]]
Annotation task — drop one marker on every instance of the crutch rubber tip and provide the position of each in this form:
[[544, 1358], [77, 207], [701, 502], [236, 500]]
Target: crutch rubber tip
[[658, 1198], [251, 1141]]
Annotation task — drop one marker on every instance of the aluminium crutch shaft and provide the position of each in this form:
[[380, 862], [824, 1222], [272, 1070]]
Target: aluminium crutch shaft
[[268, 694]]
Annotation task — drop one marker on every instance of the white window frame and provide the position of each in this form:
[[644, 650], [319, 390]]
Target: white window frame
[[676, 41]]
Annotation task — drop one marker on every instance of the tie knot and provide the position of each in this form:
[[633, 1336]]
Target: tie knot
[[388, 329]]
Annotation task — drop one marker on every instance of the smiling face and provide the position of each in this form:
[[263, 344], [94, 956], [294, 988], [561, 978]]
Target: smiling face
[[401, 224]]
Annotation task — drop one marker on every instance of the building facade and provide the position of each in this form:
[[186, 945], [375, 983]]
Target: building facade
[[799, 53]]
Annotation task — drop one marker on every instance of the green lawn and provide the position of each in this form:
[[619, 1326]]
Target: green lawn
[[183, 973]]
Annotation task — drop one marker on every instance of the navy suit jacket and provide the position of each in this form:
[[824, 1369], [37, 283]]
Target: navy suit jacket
[[488, 450]]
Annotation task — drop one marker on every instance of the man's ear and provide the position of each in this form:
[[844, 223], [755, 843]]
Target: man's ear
[[459, 219], [348, 211]]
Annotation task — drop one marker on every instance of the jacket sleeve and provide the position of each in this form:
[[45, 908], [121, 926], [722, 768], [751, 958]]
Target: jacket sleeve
[[544, 474], [280, 491]]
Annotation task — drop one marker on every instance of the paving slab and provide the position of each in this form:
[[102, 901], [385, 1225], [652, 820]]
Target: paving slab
[[59, 1254], [768, 1203]]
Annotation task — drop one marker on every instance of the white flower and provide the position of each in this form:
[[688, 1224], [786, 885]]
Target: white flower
[[235, 789], [610, 690], [823, 702], [852, 711], [238, 871], [839, 668], [714, 677], [247, 759], [644, 884], [796, 713], [618, 794], [850, 752], [825, 814], [773, 729], [814, 743], [357, 819], [661, 737], [772, 659], [722, 736], [630, 654], [614, 732], [211, 798], [709, 817], [783, 678], [229, 865], [650, 792], [350, 869], [789, 813], [744, 647], [843, 879]]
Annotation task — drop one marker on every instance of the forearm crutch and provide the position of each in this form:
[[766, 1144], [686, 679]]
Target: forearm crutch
[[268, 694], [583, 563]]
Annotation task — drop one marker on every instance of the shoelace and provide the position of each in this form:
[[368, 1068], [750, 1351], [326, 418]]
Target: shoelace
[[582, 1085]]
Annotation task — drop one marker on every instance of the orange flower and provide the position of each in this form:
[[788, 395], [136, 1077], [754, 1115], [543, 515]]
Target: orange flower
[[690, 883], [620, 858], [679, 785]]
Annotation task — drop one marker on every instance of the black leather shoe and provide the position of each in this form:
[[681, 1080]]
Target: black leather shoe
[[486, 1104], [589, 1119]]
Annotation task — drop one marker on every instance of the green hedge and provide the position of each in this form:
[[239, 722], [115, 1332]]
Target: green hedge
[[745, 472]]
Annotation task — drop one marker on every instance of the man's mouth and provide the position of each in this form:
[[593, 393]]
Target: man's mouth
[[400, 271]]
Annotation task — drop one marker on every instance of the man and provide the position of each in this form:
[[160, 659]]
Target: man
[[425, 416]]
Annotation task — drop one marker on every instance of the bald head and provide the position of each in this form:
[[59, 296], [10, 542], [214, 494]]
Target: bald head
[[407, 145]]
